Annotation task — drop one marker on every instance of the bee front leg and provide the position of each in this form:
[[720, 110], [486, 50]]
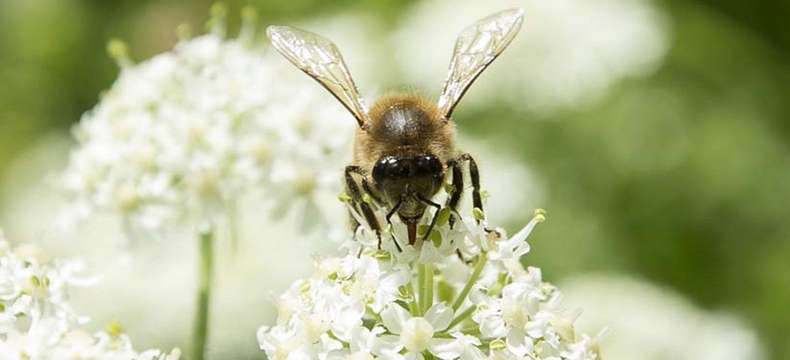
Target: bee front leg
[[359, 202], [433, 219], [458, 183], [389, 222], [457, 189]]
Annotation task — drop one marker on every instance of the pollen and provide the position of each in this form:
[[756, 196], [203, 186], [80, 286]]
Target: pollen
[[540, 215]]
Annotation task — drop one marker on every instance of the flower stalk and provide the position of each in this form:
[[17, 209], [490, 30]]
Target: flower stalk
[[479, 265], [462, 316], [205, 277], [428, 285]]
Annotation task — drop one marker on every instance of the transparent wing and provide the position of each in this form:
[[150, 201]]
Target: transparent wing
[[319, 58], [477, 46]]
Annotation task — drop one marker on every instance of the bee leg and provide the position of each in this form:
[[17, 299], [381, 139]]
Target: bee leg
[[389, 222], [435, 215], [457, 189], [455, 197], [368, 190], [474, 174], [458, 182], [359, 202]]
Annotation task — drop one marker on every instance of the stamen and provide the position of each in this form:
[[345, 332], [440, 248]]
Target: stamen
[[119, 51], [216, 23], [539, 215], [521, 235]]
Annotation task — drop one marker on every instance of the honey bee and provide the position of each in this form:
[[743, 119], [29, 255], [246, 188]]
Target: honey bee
[[404, 146]]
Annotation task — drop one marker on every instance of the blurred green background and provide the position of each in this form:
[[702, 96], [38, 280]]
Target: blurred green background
[[681, 177]]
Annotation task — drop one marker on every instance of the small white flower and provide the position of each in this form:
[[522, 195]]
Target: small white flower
[[464, 347], [516, 246], [282, 343], [427, 299], [36, 320], [416, 333], [365, 342]]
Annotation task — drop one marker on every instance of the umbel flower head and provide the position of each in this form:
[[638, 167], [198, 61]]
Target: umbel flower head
[[461, 293], [183, 135], [36, 320]]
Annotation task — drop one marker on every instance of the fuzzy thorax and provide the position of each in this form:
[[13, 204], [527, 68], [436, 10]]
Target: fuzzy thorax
[[403, 125]]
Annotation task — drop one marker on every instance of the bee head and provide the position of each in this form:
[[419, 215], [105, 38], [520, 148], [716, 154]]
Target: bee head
[[408, 181]]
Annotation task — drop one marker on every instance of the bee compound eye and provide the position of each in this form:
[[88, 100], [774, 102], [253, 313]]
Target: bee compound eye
[[427, 164], [390, 167], [379, 170]]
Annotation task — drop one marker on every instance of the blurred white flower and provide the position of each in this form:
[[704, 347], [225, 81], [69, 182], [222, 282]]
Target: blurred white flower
[[36, 319], [484, 306], [165, 268], [569, 51], [657, 323], [187, 133], [33, 289], [185, 137], [512, 187]]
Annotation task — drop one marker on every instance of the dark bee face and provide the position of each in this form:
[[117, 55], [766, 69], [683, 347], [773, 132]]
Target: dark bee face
[[407, 180], [396, 167]]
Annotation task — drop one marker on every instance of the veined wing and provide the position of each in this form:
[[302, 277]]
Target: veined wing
[[477, 46], [319, 57]]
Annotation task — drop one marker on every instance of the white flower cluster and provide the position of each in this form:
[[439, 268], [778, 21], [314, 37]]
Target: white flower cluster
[[36, 321], [657, 322], [188, 133], [462, 293]]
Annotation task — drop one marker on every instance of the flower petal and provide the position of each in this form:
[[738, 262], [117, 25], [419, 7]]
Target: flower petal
[[518, 343], [388, 347], [394, 317], [439, 315], [446, 349]]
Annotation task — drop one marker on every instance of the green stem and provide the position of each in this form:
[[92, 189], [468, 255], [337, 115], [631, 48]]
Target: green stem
[[421, 289], [414, 307], [473, 331], [481, 262], [428, 287], [443, 335], [205, 274], [461, 317]]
